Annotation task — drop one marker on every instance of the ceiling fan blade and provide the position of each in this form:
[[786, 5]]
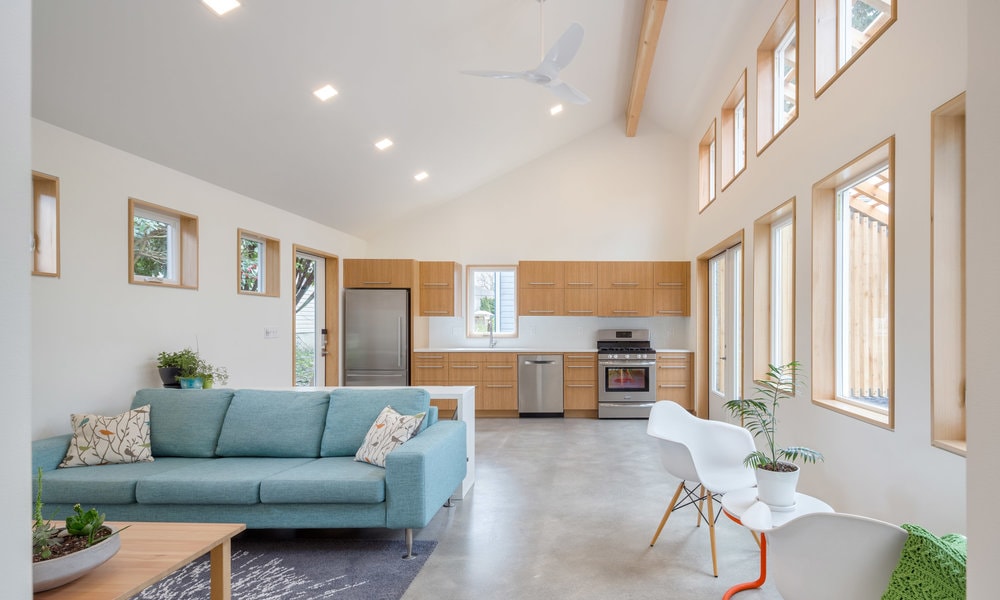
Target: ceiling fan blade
[[568, 93], [496, 74], [563, 51]]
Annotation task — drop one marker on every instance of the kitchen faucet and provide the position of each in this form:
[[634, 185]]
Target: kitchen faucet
[[489, 328]]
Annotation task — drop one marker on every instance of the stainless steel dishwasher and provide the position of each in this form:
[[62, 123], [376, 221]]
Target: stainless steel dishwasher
[[540, 385]]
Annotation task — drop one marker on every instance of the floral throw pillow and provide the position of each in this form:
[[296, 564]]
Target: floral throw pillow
[[101, 440], [389, 431]]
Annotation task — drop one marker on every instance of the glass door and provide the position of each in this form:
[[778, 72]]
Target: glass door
[[309, 324], [725, 329]]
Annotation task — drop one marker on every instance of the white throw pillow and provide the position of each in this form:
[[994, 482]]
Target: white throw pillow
[[99, 440], [389, 431]]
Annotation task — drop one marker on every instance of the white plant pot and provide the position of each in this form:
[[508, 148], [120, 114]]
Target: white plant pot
[[55, 572], [777, 488]]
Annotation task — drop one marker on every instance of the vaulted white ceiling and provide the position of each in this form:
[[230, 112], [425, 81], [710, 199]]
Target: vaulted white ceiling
[[229, 99]]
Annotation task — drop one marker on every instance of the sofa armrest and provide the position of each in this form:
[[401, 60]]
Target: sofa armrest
[[422, 474], [47, 453]]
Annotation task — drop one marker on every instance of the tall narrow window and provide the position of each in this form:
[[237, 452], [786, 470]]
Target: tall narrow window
[[163, 246], [852, 307], [45, 232], [844, 30], [492, 296], [259, 264], [706, 168], [733, 133], [948, 276], [774, 289], [310, 331], [725, 326], [778, 75]]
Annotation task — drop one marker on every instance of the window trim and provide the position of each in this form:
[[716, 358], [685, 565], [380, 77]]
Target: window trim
[[45, 185], [727, 162], [470, 316], [824, 354], [767, 75], [763, 280], [948, 325], [707, 169], [827, 42], [187, 245], [271, 281]]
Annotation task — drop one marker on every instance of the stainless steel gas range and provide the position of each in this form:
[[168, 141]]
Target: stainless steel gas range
[[626, 366]]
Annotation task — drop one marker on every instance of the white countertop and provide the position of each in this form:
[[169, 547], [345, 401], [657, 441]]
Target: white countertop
[[528, 350]]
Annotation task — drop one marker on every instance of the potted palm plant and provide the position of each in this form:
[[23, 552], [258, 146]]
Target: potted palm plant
[[777, 474]]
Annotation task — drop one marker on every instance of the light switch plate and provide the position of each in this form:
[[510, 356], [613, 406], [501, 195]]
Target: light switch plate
[[270, 333]]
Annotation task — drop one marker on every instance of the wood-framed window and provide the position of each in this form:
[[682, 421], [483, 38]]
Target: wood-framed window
[[45, 225], [492, 300], [162, 246], [706, 169], [733, 133], [948, 296], [853, 289], [258, 264], [845, 29], [774, 289], [778, 76]]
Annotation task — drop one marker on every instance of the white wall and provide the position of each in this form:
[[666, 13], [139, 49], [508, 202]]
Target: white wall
[[983, 248], [891, 90], [15, 297], [96, 336], [601, 197]]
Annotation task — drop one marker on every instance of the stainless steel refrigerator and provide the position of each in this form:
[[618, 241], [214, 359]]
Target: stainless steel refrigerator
[[376, 337]]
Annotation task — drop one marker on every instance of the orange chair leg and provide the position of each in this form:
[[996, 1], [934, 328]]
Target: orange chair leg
[[666, 515]]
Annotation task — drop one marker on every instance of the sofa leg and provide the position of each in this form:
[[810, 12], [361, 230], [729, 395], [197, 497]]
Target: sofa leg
[[409, 545], [448, 504]]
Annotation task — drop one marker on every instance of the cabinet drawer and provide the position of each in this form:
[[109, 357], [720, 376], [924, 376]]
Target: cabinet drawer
[[580, 396], [496, 396]]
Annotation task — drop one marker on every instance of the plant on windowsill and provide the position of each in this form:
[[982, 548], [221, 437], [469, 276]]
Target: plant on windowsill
[[60, 555], [777, 475]]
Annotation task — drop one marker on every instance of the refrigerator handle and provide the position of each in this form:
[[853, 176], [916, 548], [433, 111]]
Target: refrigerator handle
[[399, 342]]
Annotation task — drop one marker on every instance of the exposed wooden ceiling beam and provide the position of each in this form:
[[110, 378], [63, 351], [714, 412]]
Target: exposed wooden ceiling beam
[[649, 35]]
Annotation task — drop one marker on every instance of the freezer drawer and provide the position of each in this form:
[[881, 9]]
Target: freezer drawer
[[540, 385], [372, 378]]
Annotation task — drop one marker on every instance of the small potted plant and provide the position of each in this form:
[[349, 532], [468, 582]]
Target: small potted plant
[[211, 375], [777, 475], [172, 364]]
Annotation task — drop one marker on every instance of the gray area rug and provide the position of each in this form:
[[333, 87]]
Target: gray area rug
[[303, 569]]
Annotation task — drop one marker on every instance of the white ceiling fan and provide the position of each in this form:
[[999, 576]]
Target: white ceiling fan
[[546, 74]]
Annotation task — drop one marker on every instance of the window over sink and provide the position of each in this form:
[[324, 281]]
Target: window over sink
[[492, 300]]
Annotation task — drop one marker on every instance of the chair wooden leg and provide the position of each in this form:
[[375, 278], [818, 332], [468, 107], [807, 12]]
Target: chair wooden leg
[[701, 504], [711, 533], [666, 515]]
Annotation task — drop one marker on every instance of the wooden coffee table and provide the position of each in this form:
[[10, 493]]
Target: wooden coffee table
[[149, 553]]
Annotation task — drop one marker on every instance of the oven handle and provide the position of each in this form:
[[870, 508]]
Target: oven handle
[[629, 404], [642, 363]]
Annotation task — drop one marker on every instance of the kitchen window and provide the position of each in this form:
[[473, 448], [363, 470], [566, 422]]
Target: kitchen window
[[492, 301], [163, 246]]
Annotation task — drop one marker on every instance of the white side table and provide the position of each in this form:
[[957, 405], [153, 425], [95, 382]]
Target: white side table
[[742, 507]]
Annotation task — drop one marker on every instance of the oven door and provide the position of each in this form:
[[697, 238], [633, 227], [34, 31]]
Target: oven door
[[627, 389]]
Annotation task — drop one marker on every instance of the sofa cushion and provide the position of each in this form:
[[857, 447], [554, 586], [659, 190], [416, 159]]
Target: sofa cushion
[[274, 423], [352, 412], [326, 480], [184, 422], [389, 431], [109, 484], [218, 481], [101, 440]]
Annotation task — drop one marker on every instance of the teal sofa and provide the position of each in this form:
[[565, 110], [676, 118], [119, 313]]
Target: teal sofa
[[269, 459]]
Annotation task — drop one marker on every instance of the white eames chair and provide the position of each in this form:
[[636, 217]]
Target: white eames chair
[[833, 556], [707, 456]]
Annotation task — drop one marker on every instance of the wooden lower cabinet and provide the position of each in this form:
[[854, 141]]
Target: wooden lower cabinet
[[580, 384], [429, 368], [498, 391], [673, 378]]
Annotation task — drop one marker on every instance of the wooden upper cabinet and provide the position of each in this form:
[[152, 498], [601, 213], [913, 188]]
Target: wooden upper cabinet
[[624, 275], [580, 275], [380, 273], [540, 303], [625, 303], [440, 289], [540, 274], [672, 289]]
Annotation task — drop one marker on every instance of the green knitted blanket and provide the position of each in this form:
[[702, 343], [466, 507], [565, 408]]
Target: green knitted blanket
[[930, 567]]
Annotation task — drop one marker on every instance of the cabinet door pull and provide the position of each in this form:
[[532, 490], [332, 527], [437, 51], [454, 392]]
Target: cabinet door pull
[[435, 312], [579, 366], [464, 366], [499, 366], [624, 312], [672, 385], [541, 283], [430, 366], [580, 385], [588, 283], [376, 283], [542, 312], [581, 312], [436, 284], [673, 284], [498, 385], [626, 283]]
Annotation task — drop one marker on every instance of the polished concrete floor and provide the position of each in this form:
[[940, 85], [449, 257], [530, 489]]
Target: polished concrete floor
[[565, 508]]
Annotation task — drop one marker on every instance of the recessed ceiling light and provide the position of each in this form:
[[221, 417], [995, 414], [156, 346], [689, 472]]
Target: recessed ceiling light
[[221, 7], [383, 143], [421, 176], [326, 92], [555, 110]]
